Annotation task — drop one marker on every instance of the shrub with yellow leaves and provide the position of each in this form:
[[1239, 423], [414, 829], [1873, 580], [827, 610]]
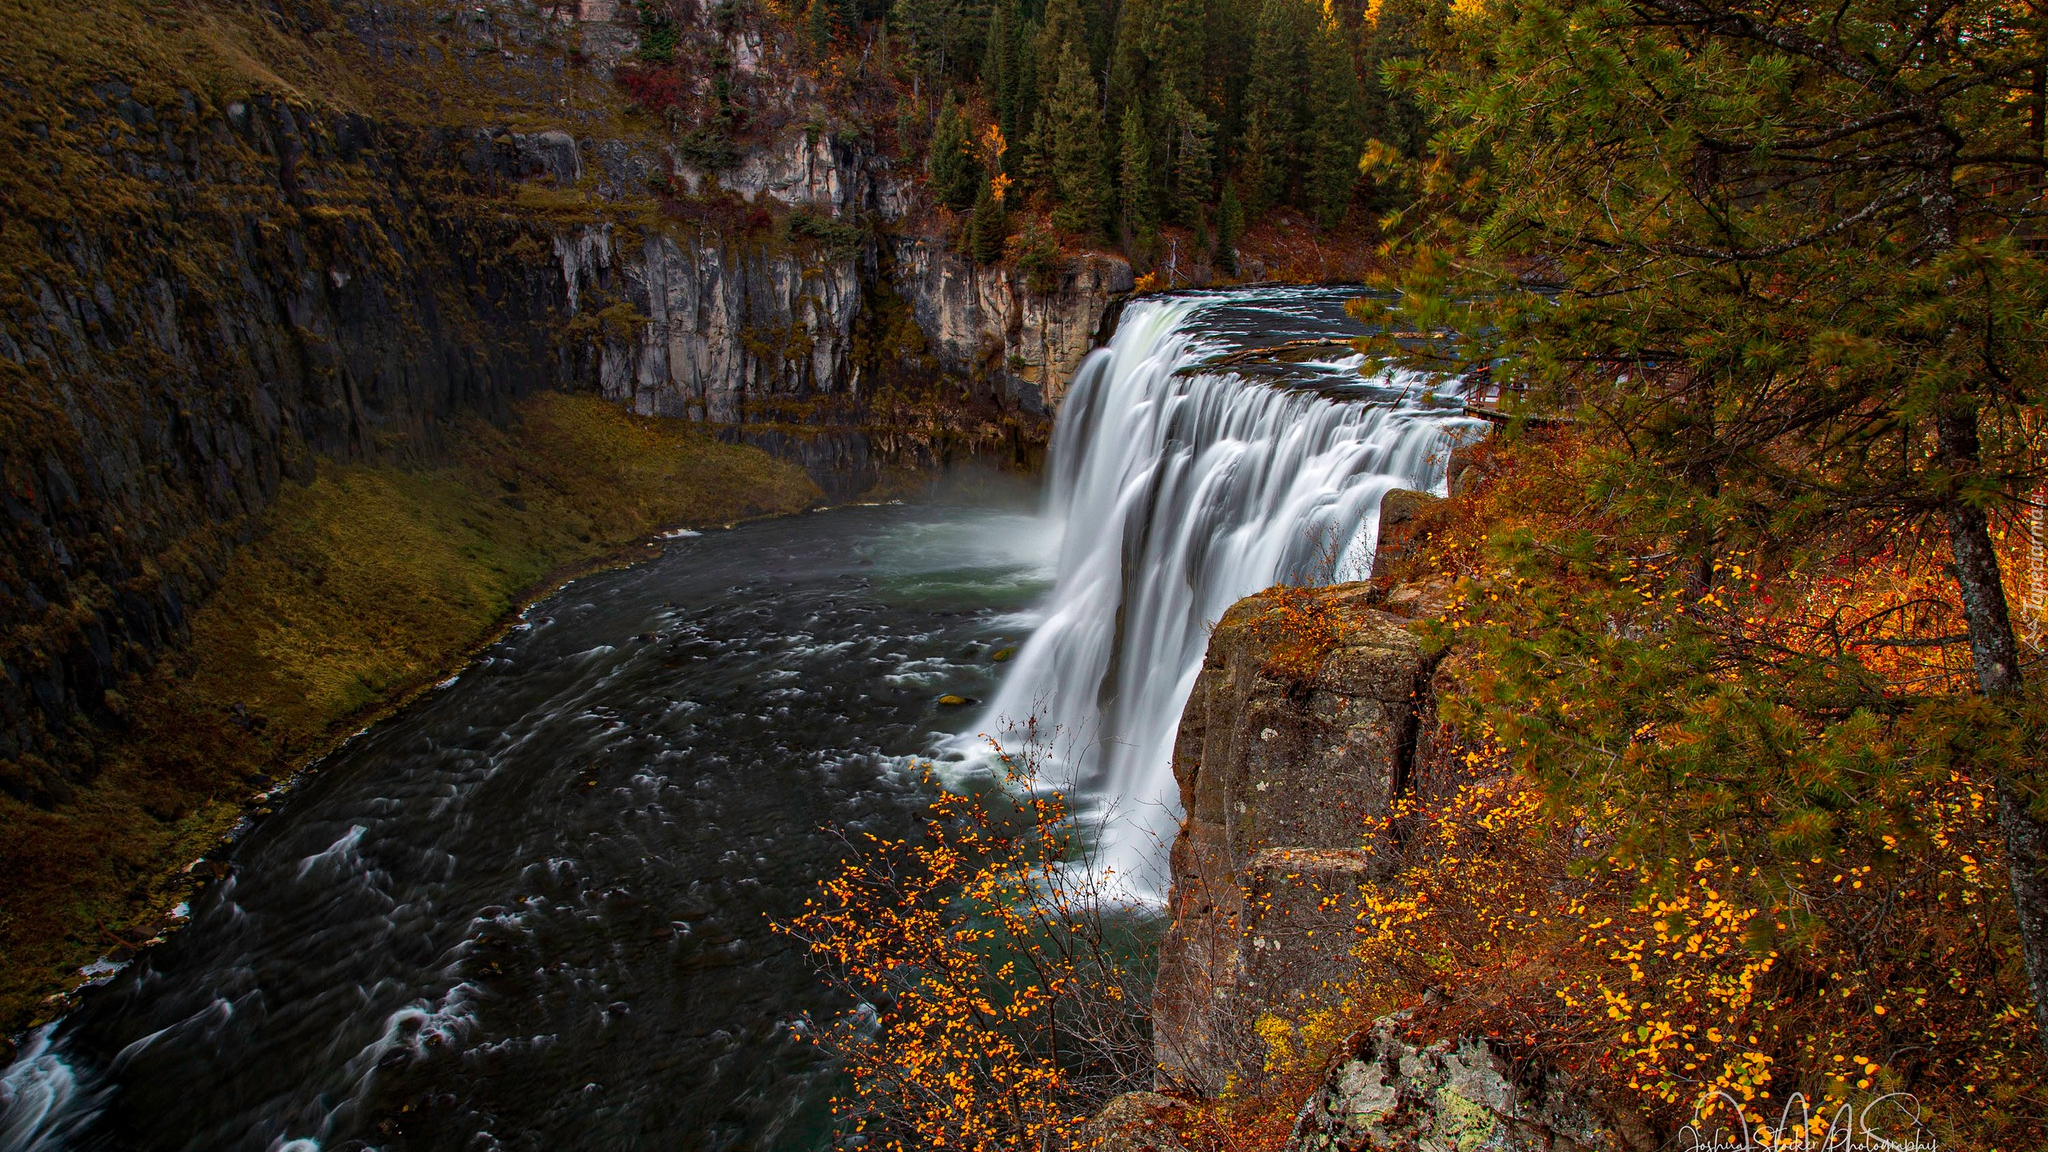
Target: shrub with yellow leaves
[[1711, 838], [1005, 983], [1680, 988]]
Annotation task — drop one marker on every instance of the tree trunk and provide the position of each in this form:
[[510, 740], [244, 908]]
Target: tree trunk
[[1995, 653]]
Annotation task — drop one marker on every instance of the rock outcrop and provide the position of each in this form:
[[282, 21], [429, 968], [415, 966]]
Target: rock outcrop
[[708, 326], [987, 322], [1134, 1122], [1278, 778], [1315, 712], [1384, 1093], [714, 331]]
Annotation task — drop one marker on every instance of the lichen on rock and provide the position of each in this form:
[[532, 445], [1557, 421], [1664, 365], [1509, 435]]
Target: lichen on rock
[[1386, 1093]]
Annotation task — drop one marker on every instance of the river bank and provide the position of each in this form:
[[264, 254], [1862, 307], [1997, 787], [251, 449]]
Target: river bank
[[353, 595]]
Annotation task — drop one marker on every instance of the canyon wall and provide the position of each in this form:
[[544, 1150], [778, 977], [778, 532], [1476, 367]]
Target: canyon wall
[[721, 330], [252, 234], [263, 283]]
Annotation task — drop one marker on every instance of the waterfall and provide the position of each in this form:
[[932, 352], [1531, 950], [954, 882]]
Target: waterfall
[[1181, 491]]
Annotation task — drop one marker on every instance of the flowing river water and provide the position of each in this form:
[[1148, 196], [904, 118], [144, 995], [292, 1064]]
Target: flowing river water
[[533, 910]]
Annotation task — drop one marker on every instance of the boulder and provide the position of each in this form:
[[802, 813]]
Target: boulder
[[1405, 516], [1133, 1122], [1383, 1093]]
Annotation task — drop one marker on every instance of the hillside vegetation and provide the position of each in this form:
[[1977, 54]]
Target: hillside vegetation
[[1755, 682], [1207, 139]]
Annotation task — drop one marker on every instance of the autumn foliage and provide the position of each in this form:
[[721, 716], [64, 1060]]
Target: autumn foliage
[[1708, 841], [1004, 986], [654, 89], [1298, 628]]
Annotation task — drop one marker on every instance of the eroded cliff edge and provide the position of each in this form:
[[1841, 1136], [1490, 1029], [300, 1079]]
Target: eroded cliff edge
[[1279, 776]]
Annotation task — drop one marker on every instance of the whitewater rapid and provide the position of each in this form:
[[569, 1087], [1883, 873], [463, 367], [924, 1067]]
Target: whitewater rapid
[[1178, 489]]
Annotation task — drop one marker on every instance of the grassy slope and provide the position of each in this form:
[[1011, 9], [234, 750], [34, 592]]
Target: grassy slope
[[364, 587]]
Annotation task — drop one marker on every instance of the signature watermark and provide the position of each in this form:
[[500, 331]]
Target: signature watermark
[[1890, 1123]]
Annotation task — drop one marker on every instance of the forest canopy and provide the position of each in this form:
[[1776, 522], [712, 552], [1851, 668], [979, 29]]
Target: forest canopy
[[1121, 121]]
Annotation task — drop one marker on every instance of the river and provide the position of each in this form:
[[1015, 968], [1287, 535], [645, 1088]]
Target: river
[[532, 910]]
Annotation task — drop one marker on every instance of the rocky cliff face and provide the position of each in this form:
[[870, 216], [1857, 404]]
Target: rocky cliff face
[[1278, 777], [264, 230], [1290, 768], [987, 323], [718, 330], [731, 327], [276, 281]]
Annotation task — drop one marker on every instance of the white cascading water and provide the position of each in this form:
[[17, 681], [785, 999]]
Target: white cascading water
[[1182, 491]]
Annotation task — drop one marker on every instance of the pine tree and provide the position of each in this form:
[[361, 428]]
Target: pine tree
[[1073, 148], [818, 25], [955, 170], [1229, 63], [1178, 46], [989, 228], [1192, 161], [1130, 62], [1135, 183], [1397, 32], [1792, 289], [1276, 112], [1062, 28], [1338, 138], [945, 35], [999, 65], [1024, 81], [1260, 167], [1229, 228]]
